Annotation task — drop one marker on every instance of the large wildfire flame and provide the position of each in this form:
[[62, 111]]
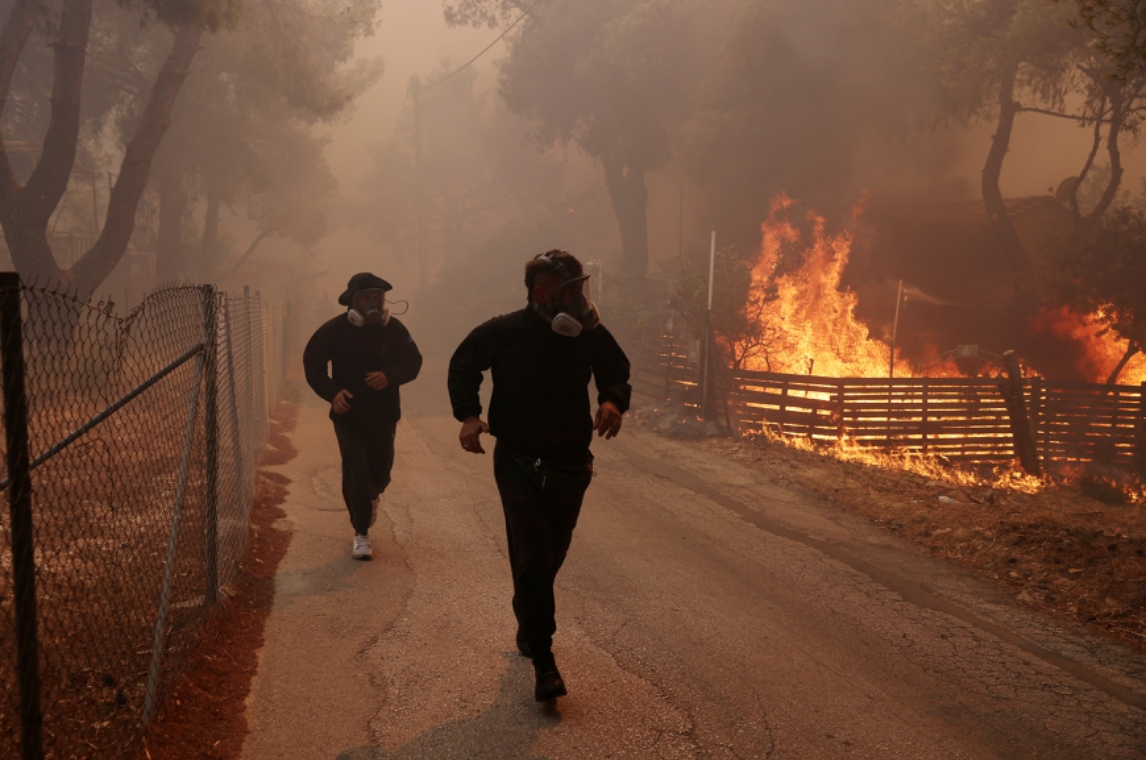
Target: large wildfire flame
[[817, 322], [818, 332]]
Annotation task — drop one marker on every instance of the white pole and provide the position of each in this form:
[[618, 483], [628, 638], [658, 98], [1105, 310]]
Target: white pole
[[706, 347], [895, 331], [711, 268]]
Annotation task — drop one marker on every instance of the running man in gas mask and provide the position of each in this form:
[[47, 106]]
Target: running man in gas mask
[[370, 354], [541, 360]]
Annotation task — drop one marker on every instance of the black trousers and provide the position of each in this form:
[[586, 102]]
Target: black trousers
[[367, 458], [541, 504]]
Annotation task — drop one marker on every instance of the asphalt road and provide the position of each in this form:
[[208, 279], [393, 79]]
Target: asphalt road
[[703, 612]]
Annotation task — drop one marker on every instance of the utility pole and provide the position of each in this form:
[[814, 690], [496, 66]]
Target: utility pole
[[419, 220]]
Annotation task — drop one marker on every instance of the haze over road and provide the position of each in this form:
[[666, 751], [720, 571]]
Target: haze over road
[[703, 612]]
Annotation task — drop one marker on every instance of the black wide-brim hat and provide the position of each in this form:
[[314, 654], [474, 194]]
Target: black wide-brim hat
[[362, 281]]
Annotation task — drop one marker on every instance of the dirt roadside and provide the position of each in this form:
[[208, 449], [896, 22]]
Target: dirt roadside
[[204, 717], [1073, 551]]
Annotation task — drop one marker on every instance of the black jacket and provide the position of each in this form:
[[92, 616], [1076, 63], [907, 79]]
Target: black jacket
[[352, 352], [540, 402]]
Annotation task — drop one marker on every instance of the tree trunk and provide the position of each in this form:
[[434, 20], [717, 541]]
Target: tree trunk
[[1131, 350], [170, 266], [1096, 143], [26, 211], [1117, 117], [95, 265], [17, 28], [1013, 252], [630, 199], [242, 259]]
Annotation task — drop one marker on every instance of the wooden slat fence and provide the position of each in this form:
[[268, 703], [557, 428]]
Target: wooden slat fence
[[1090, 423], [660, 363], [961, 419]]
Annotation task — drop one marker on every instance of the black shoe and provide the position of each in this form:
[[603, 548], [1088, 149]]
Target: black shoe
[[523, 646], [549, 683]]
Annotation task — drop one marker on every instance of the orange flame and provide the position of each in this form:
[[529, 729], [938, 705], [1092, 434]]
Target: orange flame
[[821, 334], [1104, 350], [819, 329]]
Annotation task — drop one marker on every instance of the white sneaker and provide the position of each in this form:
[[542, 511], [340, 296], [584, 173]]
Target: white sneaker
[[361, 548], [374, 510]]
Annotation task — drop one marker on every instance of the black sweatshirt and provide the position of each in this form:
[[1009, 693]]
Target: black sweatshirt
[[540, 403], [353, 352]]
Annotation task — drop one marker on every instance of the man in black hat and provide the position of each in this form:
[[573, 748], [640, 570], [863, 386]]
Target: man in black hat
[[541, 359], [370, 354]]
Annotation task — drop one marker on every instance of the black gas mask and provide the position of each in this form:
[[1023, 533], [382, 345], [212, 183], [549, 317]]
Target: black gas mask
[[580, 314], [368, 308]]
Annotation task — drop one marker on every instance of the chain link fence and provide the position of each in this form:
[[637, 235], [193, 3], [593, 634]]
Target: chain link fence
[[130, 447]]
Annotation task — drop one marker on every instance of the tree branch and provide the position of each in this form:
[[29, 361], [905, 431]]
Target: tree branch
[[242, 259], [1131, 349], [49, 179], [1074, 210], [1073, 117], [97, 263], [1117, 117], [1012, 247]]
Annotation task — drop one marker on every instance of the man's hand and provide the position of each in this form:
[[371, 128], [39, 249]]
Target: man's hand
[[341, 403], [609, 419], [470, 436], [377, 380]]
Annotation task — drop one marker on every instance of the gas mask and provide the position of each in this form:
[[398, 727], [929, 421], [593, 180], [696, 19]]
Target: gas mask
[[579, 314], [368, 308]]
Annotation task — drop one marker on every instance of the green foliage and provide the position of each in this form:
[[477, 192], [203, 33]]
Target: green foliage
[[242, 134], [607, 74], [302, 50], [738, 307], [212, 14], [972, 46], [478, 13], [1102, 270], [1120, 29]]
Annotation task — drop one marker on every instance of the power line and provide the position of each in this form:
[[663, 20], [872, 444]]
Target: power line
[[402, 110], [466, 65]]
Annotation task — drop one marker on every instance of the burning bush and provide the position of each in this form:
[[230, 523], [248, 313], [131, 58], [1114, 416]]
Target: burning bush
[[1100, 271]]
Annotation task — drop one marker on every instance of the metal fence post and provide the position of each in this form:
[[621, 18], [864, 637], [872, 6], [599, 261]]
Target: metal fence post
[[211, 441], [150, 696], [20, 506], [237, 438]]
